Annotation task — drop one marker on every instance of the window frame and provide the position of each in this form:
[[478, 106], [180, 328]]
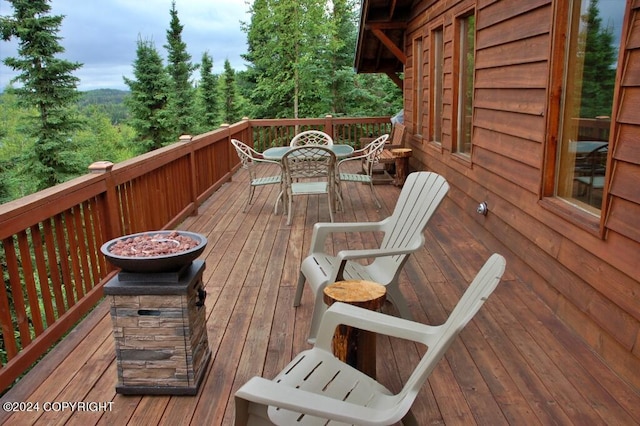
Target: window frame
[[563, 207], [418, 84], [460, 23], [436, 83]]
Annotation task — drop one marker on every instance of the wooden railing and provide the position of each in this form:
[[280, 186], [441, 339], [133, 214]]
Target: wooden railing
[[51, 268]]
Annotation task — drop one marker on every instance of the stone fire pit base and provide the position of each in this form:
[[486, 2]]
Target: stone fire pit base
[[159, 326]]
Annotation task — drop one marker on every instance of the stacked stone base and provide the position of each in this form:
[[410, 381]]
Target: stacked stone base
[[159, 326]]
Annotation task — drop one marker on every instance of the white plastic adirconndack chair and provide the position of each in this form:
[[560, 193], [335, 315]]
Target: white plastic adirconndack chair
[[403, 231], [316, 387]]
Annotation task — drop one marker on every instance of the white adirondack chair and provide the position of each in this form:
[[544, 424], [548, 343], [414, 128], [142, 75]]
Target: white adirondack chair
[[403, 234], [316, 387], [250, 158]]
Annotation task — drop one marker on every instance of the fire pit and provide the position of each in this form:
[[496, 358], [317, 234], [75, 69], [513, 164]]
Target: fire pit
[[154, 251], [158, 312]]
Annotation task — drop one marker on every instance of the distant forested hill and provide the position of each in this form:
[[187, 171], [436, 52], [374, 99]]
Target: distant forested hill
[[110, 101]]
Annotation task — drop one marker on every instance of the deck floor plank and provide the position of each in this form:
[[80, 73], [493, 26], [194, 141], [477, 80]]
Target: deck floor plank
[[515, 363]]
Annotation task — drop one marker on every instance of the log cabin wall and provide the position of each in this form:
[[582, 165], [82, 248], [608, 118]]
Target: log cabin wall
[[584, 266]]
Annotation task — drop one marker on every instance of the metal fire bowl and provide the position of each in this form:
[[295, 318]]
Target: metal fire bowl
[[150, 264]]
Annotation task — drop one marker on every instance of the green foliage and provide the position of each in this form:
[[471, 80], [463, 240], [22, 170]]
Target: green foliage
[[98, 139], [230, 102], [48, 86], [208, 95], [180, 69], [599, 72], [110, 101], [301, 56], [148, 103]]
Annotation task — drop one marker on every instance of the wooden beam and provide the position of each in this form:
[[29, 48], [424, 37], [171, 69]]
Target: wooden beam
[[396, 79], [398, 53]]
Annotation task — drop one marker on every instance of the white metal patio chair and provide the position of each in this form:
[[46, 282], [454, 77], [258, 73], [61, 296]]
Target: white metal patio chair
[[250, 158], [308, 162], [318, 389], [403, 234], [311, 137], [369, 156]]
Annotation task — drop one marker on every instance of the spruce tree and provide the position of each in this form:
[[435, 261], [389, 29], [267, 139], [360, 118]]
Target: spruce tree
[[149, 99], [48, 86], [180, 69], [230, 107], [208, 90], [600, 57]]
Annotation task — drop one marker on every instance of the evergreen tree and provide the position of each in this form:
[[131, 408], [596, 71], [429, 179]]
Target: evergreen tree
[[209, 95], [148, 102], [300, 55], [599, 61], [230, 107], [180, 69], [48, 86]]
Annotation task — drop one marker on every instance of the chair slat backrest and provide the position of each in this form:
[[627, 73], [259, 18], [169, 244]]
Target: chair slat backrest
[[438, 342], [311, 137], [421, 195], [308, 161]]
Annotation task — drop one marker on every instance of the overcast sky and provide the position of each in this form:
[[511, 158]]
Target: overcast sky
[[103, 35]]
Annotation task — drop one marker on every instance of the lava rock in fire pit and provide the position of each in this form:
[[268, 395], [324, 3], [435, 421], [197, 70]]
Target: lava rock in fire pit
[[154, 251]]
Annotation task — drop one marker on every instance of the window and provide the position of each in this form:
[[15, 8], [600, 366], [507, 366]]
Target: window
[[588, 81], [437, 86], [417, 84], [466, 62]]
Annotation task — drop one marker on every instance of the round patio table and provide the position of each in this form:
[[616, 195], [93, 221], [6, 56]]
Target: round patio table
[[276, 153]]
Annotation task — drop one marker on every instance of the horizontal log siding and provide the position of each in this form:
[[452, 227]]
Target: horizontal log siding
[[591, 282]]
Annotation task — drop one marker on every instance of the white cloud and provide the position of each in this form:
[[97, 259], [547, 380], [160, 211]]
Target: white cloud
[[103, 35]]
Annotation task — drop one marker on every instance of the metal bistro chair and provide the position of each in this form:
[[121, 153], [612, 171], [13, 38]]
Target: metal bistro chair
[[250, 158], [311, 137], [305, 162], [370, 156], [403, 232], [318, 389]]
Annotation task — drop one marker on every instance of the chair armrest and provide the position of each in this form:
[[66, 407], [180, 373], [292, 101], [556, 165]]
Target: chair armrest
[[354, 156], [264, 160], [365, 319], [268, 392], [345, 255], [323, 229]]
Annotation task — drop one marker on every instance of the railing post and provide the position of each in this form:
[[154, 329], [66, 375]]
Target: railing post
[[229, 158], [193, 173], [328, 125], [113, 228]]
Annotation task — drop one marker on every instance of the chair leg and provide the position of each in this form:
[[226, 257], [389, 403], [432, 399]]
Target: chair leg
[[397, 299], [331, 207], [319, 308], [375, 196], [251, 189], [299, 289], [289, 208]]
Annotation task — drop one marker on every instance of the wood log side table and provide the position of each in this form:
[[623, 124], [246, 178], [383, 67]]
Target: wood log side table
[[402, 164], [351, 345]]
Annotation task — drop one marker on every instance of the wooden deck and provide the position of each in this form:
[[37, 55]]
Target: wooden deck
[[514, 364]]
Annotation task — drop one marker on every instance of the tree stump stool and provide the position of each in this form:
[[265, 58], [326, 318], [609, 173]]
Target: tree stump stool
[[402, 164], [351, 345]]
